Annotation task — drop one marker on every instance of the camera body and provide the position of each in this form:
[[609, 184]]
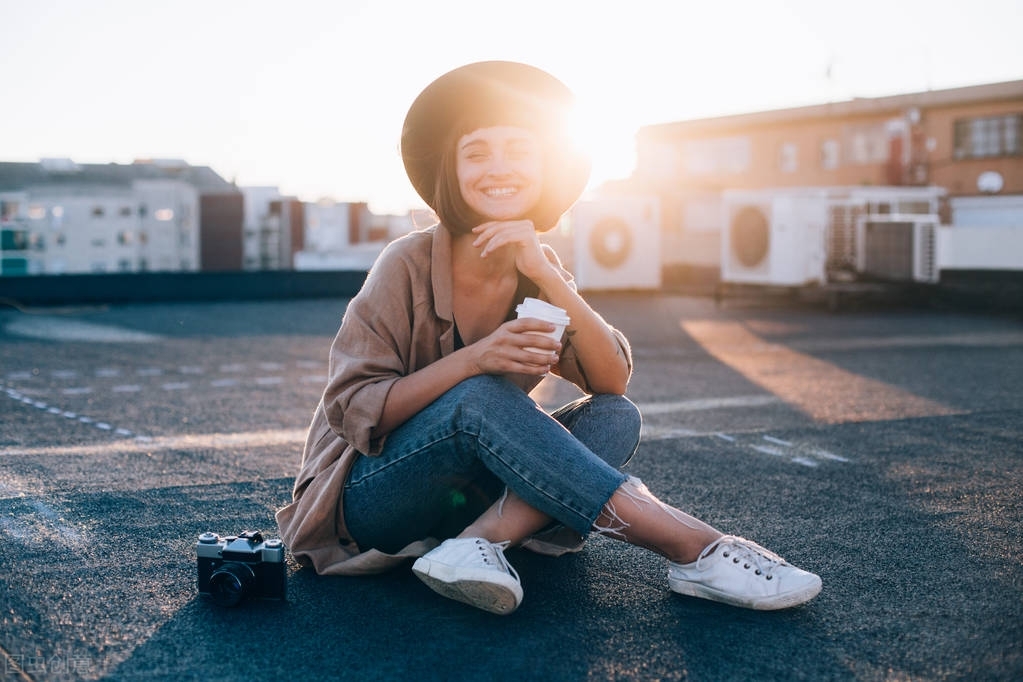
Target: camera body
[[233, 567]]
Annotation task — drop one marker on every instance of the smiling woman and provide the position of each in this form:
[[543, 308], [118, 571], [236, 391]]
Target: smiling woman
[[426, 442]]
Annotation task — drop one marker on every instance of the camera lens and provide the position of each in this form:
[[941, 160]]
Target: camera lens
[[230, 582]]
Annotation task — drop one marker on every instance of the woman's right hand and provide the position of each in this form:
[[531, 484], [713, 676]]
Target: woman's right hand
[[516, 347]]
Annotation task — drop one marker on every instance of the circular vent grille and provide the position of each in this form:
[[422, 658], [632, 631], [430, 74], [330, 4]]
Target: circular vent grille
[[611, 242], [750, 236]]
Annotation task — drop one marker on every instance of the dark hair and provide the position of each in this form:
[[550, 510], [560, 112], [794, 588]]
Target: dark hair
[[448, 203]]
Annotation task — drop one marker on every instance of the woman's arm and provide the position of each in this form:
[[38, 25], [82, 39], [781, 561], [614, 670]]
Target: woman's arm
[[599, 352], [501, 352]]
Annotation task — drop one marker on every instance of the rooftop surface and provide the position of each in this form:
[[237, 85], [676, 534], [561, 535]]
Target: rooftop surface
[[878, 447]]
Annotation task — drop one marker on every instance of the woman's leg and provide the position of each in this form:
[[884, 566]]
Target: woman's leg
[[482, 435]]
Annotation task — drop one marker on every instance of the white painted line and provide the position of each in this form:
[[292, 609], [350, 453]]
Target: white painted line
[[122, 432], [270, 366], [144, 444], [103, 425], [767, 450], [149, 371], [777, 441], [108, 372], [54, 410], [126, 388], [219, 383], [725, 436], [64, 373], [69, 415], [700, 404], [63, 329], [41, 405], [269, 381], [19, 376], [804, 461], [85, 420], [175, 386], [190, 369], [664, 433], [824, 454], [236, 367], [77, 390]]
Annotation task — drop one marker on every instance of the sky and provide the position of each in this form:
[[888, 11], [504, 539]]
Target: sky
[[309, 95]]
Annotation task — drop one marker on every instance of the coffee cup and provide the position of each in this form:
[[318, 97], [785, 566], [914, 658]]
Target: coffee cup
[[541, 310]]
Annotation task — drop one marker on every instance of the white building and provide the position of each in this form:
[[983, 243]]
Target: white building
[[147, 225], [59, 217]]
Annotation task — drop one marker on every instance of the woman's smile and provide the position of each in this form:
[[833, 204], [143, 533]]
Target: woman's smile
[[500, 171]]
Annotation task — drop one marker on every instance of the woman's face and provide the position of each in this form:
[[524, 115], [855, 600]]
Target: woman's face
[[500, 171]]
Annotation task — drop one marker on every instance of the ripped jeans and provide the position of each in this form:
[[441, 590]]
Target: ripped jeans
[[446, 465]]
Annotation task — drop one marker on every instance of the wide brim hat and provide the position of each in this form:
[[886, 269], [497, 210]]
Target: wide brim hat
[[497, 93]]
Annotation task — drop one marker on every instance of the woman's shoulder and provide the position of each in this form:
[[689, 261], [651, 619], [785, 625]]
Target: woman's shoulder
[[411, 245]]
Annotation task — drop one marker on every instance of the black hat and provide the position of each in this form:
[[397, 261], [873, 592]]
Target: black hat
[[495, 93]]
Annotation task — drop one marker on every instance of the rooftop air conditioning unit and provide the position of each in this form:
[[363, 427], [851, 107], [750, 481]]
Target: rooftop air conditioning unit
[[617, 243], [898, 248], [774, 237]]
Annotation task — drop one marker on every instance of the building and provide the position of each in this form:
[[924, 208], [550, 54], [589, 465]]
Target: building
[[346, 236], [273, 229], [61, 217], [965, 143]]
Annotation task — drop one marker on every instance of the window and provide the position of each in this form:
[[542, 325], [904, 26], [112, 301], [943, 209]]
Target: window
[[124, 237], [866, 144], [14, 266], [125, 212], [788, 157], [164, 214], [36, 212], [8, 210], [97, 211], [14, 240], [978, 138], [830, 154]]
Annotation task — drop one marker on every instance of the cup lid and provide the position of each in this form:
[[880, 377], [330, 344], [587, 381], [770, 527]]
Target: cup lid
[[534, 307]]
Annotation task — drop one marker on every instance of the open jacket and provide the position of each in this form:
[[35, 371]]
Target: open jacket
[[399, 322]]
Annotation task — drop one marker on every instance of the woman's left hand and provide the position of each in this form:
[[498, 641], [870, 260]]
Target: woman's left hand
[[519, 235]]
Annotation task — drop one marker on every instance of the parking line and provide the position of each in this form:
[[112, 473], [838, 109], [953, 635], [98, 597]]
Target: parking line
[[821, 390]]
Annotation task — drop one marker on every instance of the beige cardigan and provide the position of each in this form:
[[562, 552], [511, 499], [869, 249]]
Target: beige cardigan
[[400, 322]]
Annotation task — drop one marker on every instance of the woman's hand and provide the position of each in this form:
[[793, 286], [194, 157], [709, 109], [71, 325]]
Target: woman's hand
[[519, 235], [516, 347]]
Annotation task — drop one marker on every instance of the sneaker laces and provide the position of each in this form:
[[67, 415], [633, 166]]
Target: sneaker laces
[[492, 554], [745, 552]]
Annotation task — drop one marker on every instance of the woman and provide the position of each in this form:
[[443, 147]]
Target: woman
[[426, 432]]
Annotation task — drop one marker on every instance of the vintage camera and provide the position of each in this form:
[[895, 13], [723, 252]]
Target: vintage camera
[[237, 566]]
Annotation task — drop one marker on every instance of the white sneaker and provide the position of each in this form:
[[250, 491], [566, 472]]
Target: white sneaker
[[554, 541], [473, 571], [736, 571]]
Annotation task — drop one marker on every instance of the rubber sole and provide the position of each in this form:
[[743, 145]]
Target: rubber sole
[[481, 591], [771, 603]]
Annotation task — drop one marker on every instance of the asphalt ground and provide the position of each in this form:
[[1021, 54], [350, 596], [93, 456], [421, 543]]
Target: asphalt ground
[[880, 448]]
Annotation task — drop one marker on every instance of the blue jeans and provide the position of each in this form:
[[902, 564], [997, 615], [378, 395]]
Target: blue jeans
[[443, 467]]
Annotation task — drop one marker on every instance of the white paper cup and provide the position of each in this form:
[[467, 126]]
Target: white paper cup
[[541, 310]]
